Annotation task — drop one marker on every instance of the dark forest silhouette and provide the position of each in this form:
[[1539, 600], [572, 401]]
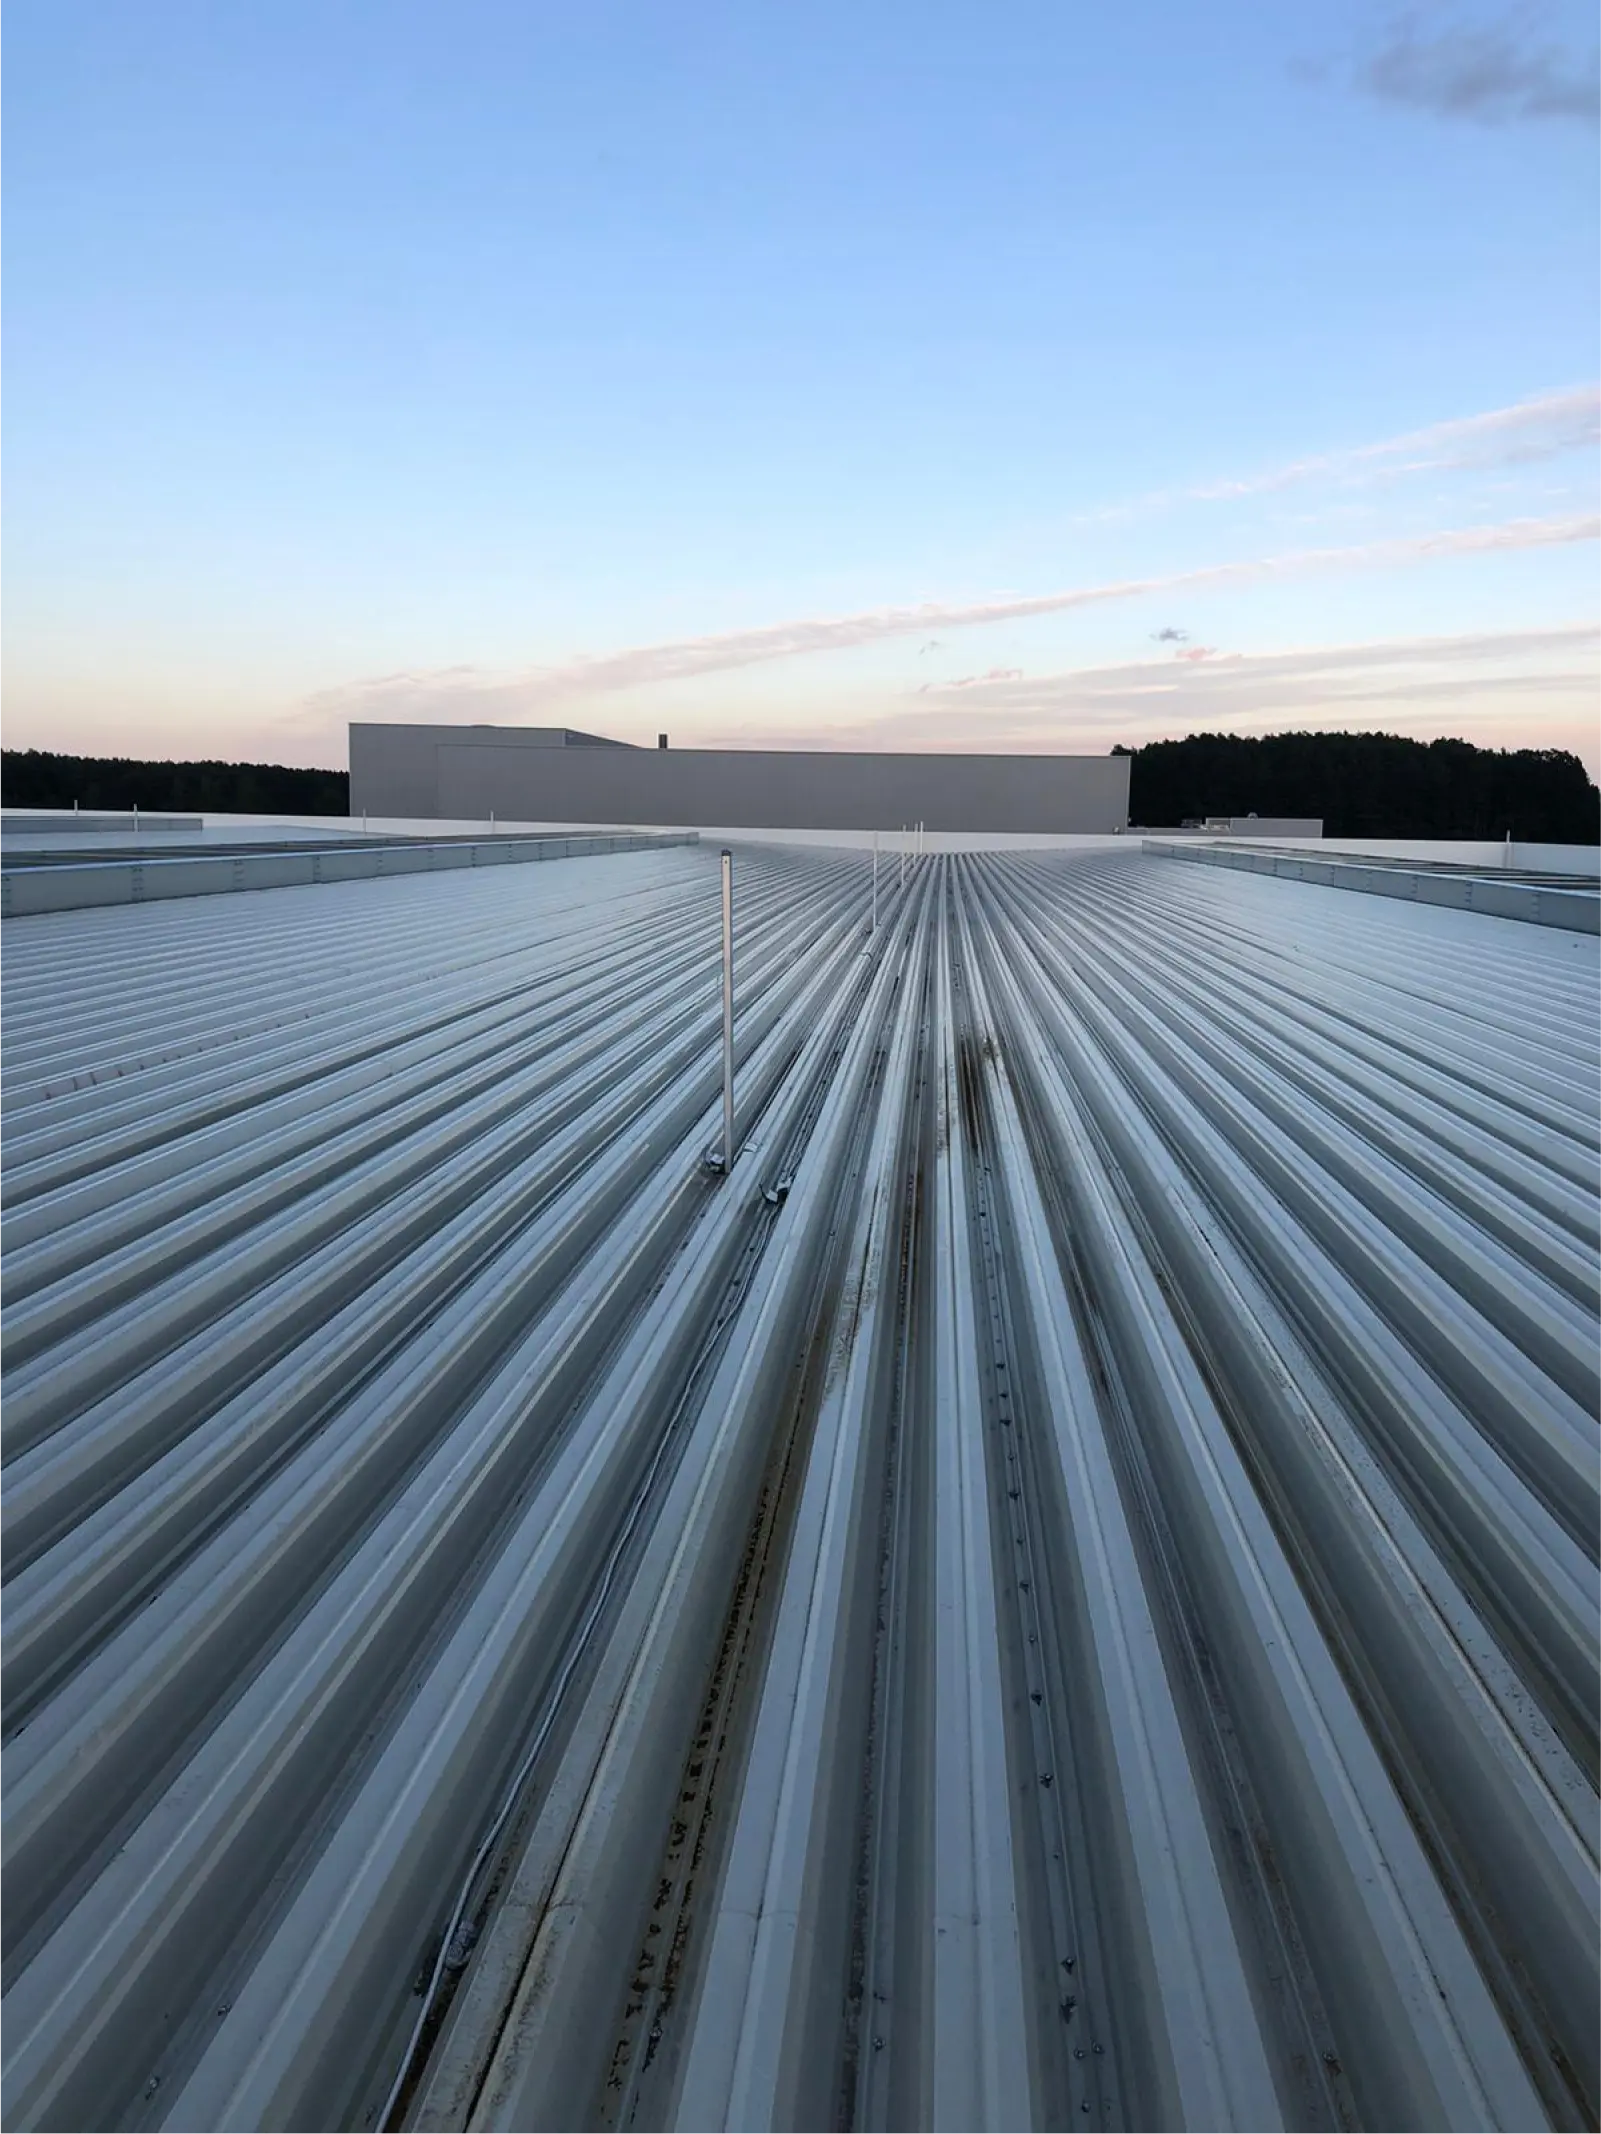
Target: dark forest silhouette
[[1369, 785], [35, 778]]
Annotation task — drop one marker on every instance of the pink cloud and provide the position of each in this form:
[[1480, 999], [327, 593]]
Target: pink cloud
[[974, 681], [457, 694]]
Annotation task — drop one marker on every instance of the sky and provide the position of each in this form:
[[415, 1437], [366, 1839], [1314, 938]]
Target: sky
[[1005, 375]]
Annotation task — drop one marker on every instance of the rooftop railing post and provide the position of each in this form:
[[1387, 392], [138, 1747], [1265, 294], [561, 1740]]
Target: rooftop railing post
[[728, 1013], [873, 927]]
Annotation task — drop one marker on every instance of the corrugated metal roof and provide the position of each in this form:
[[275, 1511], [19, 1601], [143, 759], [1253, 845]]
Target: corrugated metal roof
[[1062, 1594]]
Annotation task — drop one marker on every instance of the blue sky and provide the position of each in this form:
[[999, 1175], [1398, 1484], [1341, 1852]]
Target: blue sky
[[641, 367]]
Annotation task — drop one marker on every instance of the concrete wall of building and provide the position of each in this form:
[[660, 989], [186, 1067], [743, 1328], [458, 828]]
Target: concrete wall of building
[[471, 772]]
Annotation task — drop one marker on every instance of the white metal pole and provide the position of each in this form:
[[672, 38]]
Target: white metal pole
[[728, 1013], [873, 928]]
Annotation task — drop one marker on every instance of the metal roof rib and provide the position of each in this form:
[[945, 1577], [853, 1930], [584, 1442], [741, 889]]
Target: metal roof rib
[[1062, 1591]]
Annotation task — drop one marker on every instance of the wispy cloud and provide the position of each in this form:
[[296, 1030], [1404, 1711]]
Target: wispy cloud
[[1443, 682], [465, 694], [1392, 665], [980, 681], [1497, 71], [1530, 430], [1543, 427]]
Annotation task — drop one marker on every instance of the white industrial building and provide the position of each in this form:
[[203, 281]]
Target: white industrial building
[[553, 775]]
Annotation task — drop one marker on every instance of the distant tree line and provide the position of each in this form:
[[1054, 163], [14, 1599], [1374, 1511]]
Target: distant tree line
[[37, 778], [1362, 785], [1369, 785]]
